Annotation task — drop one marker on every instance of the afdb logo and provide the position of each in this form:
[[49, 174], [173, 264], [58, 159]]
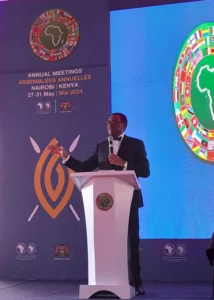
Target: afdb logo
[[53, 192], [22, 248], [54, 35], [193, 91], [170, 249], [181, 249]]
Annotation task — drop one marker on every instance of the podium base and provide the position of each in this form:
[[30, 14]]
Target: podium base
[[122, 291]]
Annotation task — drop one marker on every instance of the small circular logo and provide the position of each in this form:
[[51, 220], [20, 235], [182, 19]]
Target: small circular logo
[[181, 249], [21, 248], [62, 250], [40, 105], [31, 248], [54, 35], [104, 201], [48, 105], [193, 91], [169, 249]]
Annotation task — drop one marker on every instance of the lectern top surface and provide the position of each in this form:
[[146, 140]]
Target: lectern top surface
[[80, 179]]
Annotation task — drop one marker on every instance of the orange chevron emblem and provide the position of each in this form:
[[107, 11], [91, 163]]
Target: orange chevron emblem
[[43, 172]]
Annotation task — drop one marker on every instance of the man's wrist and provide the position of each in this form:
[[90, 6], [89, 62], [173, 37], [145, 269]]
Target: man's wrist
[[125, 165], [65, 159], [65, 156]]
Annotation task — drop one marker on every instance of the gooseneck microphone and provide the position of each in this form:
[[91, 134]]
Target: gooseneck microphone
[[110, 144]]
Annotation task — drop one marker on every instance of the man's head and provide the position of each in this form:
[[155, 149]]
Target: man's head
[[116, 124]]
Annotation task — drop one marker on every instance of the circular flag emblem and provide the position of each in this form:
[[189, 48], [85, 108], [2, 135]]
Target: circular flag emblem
[[104, 201], [54, 35], [193, 91]]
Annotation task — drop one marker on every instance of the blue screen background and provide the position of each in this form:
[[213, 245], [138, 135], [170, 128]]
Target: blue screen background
[[145, 43]]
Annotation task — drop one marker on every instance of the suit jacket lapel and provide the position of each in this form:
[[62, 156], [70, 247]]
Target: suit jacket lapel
[[105, 150], [123, 147]]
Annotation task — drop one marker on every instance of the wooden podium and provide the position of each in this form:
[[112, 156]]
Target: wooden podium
[[107, 197]]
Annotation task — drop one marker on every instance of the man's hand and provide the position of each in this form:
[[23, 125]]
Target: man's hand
[[116, 160], [58, 150]]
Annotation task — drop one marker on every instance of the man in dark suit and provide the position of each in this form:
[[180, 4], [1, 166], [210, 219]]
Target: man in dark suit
[[128, 154]]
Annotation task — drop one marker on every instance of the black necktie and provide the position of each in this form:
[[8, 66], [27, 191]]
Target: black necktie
[[119, 138]]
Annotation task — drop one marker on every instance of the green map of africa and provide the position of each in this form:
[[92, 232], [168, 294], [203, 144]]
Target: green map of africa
[[202, 92]]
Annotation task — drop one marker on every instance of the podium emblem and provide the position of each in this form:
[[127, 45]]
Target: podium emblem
[[104, 201]]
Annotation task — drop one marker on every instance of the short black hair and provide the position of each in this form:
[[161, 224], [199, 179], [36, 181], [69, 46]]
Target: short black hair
[[123, 118]]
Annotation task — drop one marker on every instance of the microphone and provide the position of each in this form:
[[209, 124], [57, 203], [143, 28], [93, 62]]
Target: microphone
[[110, 144]]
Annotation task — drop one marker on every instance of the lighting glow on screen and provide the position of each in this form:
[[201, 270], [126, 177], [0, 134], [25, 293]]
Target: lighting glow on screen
[[146, 44]]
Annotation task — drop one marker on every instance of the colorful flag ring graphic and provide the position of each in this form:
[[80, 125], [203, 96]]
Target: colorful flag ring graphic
[[54, 35], [193, 92]]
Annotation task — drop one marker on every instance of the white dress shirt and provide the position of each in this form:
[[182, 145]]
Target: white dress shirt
[[116, 147]]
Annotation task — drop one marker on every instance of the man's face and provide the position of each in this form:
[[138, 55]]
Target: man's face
[[114, 126]]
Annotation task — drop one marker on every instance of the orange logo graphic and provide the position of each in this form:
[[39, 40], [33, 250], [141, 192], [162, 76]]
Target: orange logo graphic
[[42, 180]]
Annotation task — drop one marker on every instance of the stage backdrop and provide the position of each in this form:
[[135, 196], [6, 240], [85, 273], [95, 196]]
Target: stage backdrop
[[55, 88], [163, 81]]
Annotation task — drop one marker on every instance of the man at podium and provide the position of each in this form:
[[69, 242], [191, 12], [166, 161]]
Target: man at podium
[[118, 152]]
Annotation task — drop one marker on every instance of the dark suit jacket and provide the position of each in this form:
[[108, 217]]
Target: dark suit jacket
[[131, 150]]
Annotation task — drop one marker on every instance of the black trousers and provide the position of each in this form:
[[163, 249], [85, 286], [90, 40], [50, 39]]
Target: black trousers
[[134, 240]]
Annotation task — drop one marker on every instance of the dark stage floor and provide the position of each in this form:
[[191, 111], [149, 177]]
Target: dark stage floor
[[55, 290]]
